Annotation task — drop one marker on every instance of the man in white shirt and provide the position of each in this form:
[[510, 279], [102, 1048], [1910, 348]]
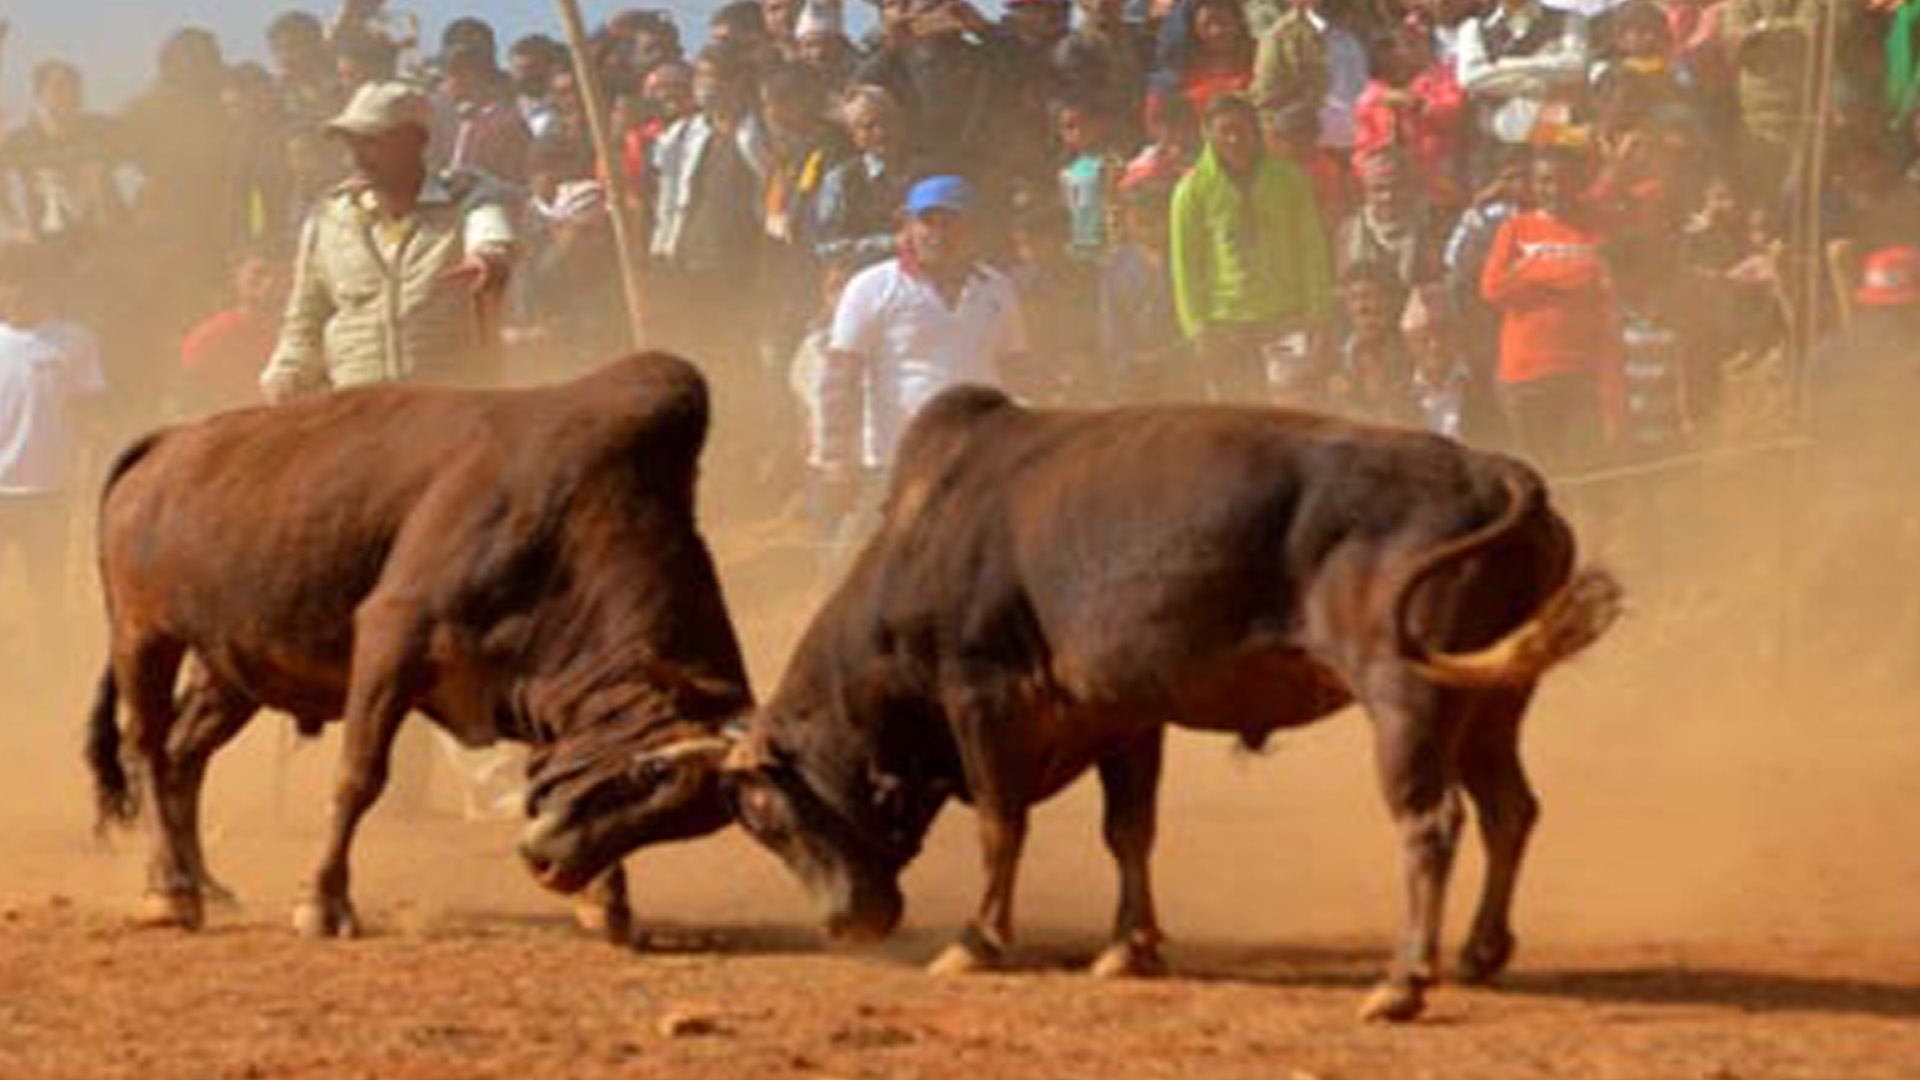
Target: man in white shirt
[[904, 330], [45, 369], [1523, 65]]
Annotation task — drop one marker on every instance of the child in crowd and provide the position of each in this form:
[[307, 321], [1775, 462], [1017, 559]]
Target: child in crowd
[[1139, 330], [1371, 376], [1432, 335], [1088, 178], [221, 358], [1657, 349]]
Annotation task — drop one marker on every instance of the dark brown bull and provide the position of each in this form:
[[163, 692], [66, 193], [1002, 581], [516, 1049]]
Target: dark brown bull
[[1048, 590], [519, 564]]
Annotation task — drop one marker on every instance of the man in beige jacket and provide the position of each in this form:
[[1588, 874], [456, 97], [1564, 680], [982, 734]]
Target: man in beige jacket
[[399, 267]]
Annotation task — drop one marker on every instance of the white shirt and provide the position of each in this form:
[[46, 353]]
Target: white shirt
[[910, 345], [42, 371]]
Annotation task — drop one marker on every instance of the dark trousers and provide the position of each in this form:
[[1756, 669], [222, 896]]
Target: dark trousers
[[1555, 421]]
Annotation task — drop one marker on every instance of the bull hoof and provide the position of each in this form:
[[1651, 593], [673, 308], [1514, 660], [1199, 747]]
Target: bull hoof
[[1128, 960], [1393, 1003], [179, 910], [219, 897], [1483, 959], [959, 959], [614, 923], [318, 920]]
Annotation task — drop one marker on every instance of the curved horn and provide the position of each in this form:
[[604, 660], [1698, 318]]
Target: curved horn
[[681, 749]]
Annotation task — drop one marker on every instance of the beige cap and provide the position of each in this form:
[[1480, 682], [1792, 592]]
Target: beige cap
[[380, 107]]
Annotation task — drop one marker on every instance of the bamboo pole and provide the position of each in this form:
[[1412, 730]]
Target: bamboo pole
[[594, 102]]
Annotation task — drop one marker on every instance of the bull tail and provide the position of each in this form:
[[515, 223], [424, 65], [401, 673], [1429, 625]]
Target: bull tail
[[1574, 617], [113, 794], [112, 790]]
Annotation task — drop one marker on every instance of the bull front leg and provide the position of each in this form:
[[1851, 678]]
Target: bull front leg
[[387, 641], [1130, 781], [1414, 751], [988, 753], [602, 907]]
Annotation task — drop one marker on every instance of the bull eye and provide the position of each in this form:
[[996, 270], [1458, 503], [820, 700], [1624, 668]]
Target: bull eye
[[649, 771]]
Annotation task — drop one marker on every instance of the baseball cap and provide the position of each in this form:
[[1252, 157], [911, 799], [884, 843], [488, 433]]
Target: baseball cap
[[948, 193], [380, 107], [1891, 276]]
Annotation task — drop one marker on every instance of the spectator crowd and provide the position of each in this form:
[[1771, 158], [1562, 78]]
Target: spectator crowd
[[1560, 230]]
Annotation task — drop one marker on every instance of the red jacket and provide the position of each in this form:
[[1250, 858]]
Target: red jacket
[[1429, 134]]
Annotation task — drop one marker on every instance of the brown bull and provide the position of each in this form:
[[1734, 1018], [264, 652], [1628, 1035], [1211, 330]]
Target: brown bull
[[1049, 590], [519, 564]]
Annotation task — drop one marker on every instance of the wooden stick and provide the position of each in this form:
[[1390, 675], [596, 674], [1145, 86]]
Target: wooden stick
[[594, 102]]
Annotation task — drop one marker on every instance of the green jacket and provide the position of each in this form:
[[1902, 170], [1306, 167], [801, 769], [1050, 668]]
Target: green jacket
[[1249, 253]]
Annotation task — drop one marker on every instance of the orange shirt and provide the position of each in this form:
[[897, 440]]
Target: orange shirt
[[1547, 279]]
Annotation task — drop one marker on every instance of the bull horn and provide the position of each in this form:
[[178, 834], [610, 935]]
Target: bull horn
[[749, 753], [682, 749]]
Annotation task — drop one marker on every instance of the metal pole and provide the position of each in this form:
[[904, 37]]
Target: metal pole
[[594, 102]]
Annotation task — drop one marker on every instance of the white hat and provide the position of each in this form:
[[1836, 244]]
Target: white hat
[[380, 107]]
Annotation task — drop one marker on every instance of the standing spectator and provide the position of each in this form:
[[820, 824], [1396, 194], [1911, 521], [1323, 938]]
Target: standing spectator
[[1215, 55], [1413, 105], [177, 135], [857, 213], [801, 147], [306, 75], [820, 42], [904, 330], [1308, 58], [44, 375], [1484, 419], [1560, 332], [259, 185], [220, 360], [362, 58], [707, 227], [1657, 349], [1523, 66], [488, 133], [63, 158], [1371, 377], [1769, 40], [1250, 260], [397, 267], [1104, 62], [532, 63]]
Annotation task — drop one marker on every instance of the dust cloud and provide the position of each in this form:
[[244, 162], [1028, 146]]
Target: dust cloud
[[1736, 761]]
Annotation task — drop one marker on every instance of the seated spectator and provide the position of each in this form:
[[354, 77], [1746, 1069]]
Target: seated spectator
[[1440, 375], [1393, 228], [220, 360], [1371, 377], [1559, 371]]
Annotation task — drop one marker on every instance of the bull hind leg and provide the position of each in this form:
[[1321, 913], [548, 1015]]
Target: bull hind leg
[[1506, 809], [987, 736], [146, 668], [1416, 742], [1130, 781], [388, 641], [210, 715]]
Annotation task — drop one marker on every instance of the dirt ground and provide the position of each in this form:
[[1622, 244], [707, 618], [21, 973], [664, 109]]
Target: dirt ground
[[1725, 886]]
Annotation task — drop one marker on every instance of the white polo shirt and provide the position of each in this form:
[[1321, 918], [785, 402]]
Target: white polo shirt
[[911, 345], [42, 371]]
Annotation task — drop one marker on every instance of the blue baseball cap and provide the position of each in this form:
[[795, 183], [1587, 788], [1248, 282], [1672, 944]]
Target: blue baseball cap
[[948, 193]]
